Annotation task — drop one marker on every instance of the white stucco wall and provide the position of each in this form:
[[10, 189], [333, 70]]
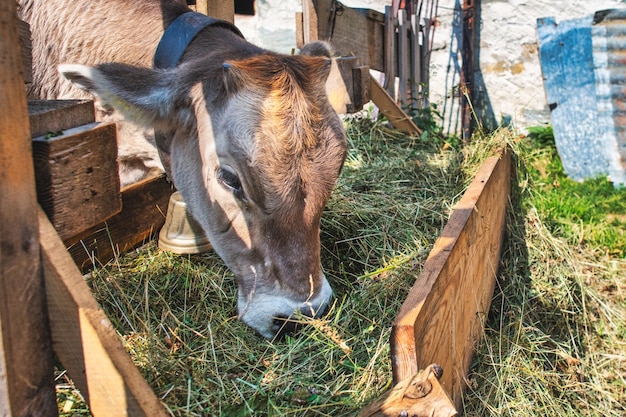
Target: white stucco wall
[[509, 77]]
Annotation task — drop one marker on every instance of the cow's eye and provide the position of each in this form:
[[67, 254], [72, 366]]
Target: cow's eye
[[230, 181]]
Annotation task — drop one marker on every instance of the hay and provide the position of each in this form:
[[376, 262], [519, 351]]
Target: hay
[[556, 334], [176, 315], [555, 337]]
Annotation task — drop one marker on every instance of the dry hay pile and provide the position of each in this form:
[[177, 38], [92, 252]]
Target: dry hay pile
[[555, 336], [177, 314]]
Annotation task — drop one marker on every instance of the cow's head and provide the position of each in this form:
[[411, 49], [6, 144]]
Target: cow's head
[[255, 150]]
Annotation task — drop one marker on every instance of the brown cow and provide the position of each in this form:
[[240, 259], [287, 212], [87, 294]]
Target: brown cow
[[253, 143]]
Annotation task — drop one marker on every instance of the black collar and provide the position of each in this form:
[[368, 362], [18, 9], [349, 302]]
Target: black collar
[[179, 35]]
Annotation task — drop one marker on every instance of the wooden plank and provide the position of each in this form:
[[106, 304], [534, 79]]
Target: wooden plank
[[144, 206], [224, 10], [442, 318], [77, 172], [310, 22], [26, 47], [345, 87], [404, 58], [425, 50], [362, 88], [416, 62], [390, 58], [84, 340], [358, 32], [49, 116], [387, 105], [26, 358], [299, 29]]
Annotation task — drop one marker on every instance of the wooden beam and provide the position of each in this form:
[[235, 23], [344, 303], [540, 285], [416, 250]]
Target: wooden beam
[[357, 32], [26, 358], [57, 115], [390, 56], [144, 206], [76, 172], [347, 92], [388, 106], [442, 318], [85, 341], [224, 10], [404, 58]]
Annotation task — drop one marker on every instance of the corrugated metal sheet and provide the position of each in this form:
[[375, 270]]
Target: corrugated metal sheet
[[583, 62], [608, 34]]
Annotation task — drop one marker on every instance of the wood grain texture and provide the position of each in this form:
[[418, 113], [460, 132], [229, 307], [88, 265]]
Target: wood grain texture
[[144, 207], [26, 358], [358, 32], [224, 10], [84, 340], [418, 395], [77, 177], [387, 105], [57, 115], [442, 318]]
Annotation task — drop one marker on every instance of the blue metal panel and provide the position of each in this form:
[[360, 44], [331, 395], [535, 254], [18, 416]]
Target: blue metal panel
[[565, 51]]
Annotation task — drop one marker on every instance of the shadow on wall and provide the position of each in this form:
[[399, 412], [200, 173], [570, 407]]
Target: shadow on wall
[[481, 105]]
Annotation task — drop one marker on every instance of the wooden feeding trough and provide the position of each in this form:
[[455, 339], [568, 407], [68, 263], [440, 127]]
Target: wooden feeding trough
[[48, 307]]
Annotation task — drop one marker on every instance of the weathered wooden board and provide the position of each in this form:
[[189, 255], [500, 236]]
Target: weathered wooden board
[[347, 85], [52, 116], [77, 177], [85, 341], [442, 318], [358, 32], [351, 31], [224, 10], [26, 46], [144, 206], [26, 358], [388, 106]]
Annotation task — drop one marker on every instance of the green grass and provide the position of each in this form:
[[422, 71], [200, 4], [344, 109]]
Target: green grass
[[176, 315], [592, 211], [554, 341]]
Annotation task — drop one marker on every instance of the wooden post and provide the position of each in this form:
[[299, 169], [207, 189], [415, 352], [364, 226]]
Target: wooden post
[[26, 359], [404, 61], [224, 10], [309, 22], [85, 341], [390, 57]]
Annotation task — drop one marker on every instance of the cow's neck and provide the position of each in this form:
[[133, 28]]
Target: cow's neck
[[179, 35]]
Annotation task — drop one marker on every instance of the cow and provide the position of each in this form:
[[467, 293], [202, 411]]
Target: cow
[[246, 135]]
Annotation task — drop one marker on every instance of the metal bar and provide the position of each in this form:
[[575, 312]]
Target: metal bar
[[467, 70]]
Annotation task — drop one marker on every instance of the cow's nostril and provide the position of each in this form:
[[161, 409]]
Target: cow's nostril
[[285, 325]]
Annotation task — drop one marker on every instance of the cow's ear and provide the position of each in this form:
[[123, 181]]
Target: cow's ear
[[320, 61], [317, 48], [145, 96]]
